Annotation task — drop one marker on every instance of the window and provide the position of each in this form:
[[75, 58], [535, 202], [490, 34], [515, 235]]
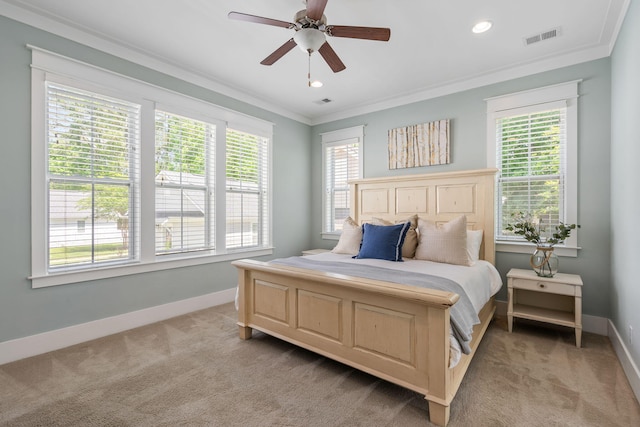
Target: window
[[247, 185], [531, 157], [129, 178], [185, 174], [532, 141], [342, 162], [92, 177]]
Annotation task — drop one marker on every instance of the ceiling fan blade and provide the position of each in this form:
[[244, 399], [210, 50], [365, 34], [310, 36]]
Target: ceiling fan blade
[[315, 9], [331, 57], [260, 20], [367, 33], [279, 52]]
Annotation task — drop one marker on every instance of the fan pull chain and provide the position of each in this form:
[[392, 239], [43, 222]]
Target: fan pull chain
[[315, 83], [309, 70]]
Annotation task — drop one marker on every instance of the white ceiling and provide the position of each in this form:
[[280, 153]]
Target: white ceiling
[[432, 50]]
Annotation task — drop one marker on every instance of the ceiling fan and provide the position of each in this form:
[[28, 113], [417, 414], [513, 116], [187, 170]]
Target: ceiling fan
[[311, 29]]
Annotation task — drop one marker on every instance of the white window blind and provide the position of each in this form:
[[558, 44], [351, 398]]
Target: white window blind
[[342, 164], [247, 198], [123, 176], [92, 178], [185, 176], [531, 153]]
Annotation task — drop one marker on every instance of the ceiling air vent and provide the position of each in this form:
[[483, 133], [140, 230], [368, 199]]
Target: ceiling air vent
[[550, 34], [322, 101]]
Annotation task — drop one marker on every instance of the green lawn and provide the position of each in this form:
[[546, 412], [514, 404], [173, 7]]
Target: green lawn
[[82, 253]]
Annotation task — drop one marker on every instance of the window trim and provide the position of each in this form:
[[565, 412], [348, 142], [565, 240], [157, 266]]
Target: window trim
[[332, 139], [498, 107], [49, 66]]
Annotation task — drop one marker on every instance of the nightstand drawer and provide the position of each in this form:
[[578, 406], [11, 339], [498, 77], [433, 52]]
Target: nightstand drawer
[[544, 286]]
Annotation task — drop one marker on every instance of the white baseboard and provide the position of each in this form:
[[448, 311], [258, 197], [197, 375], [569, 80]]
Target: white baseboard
[[628, 365], [60, 338]]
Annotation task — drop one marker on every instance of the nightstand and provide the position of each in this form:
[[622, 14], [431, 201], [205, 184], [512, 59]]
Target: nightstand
[[314, 251], [556, 300]]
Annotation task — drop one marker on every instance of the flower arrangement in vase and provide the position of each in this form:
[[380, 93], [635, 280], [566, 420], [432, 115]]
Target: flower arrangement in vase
[[543, 261]]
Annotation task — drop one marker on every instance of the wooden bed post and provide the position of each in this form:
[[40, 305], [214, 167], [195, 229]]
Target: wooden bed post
[[439, 378], [244, 330], [438, 414]]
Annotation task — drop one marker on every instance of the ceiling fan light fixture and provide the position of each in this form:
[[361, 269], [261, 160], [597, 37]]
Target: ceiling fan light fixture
[[482, 26], [309, 39], [311, 31], [316, 83]]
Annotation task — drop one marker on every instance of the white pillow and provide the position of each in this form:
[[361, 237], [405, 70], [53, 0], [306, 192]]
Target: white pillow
[[410, 240], [350, 238], [474, 241], [443, 243]]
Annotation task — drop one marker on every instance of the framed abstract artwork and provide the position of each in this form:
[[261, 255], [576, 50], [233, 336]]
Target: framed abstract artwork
[[424, 144]]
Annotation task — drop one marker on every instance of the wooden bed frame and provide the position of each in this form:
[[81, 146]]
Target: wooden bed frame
[[396, 332]]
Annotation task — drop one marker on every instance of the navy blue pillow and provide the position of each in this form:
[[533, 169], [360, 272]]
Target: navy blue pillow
[[383, 241]]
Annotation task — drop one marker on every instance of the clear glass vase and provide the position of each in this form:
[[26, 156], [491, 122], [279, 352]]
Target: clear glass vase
[[544, 261]]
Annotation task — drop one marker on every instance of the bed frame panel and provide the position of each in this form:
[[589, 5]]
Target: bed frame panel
[[396, 332]]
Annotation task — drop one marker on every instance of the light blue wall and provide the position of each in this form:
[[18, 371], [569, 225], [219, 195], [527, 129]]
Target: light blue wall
[[467, 110], [610, 85], [25, 311], [625, 176]]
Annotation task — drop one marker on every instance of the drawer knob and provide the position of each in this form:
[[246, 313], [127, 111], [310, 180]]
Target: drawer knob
[[542, 285]]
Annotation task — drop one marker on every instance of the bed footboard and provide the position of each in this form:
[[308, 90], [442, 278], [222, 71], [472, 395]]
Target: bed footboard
[[395, 332]]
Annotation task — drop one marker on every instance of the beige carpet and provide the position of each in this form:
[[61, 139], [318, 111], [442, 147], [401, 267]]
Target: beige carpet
[[193, 370]]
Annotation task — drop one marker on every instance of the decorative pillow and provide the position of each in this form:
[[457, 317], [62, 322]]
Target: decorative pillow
[[474, 241], [350, 238], [410, 240], [383, 241], [446, 243]]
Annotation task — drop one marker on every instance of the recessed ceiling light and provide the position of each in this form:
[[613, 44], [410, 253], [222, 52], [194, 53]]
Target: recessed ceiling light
[[316, 83], [482, 26]]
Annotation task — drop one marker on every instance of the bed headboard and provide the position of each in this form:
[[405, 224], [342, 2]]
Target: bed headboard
[[438, 197]]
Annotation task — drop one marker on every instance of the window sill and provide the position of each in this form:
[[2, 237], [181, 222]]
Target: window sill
[[161, 263], [528, 248], [330, 236]]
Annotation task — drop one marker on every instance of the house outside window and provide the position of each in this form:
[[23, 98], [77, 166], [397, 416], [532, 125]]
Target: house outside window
[[532, 140], [342, 162]]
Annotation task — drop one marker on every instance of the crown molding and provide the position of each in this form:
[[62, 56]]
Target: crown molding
[[95, 40]]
